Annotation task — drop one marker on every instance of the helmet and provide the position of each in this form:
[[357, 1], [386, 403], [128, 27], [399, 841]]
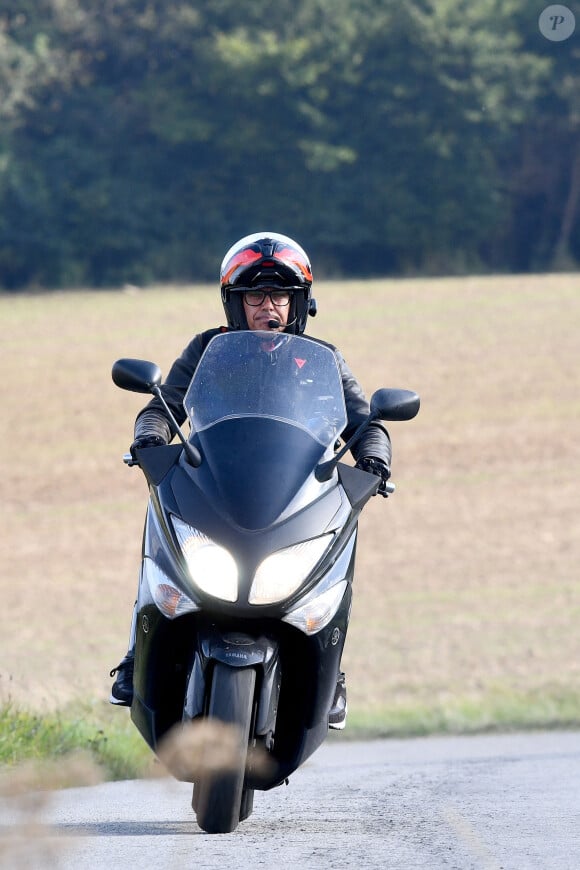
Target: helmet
[[267, 260]]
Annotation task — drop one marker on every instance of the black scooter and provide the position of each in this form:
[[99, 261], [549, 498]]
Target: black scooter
[[248, 556]]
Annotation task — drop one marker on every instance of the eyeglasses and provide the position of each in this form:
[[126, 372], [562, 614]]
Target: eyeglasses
[[277, 297]]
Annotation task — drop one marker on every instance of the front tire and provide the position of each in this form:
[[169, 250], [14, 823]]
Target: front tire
[[218, 797]]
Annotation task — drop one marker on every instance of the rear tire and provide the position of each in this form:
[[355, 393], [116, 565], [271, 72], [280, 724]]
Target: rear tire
[[220, 799]]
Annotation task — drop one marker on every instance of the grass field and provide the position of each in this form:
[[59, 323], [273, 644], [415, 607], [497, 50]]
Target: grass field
[[467, 595]]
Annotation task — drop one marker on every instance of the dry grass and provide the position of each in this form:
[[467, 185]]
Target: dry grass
[[467, 586]]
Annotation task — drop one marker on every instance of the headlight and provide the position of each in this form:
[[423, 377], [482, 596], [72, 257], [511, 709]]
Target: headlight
[[282, 573], [317, 613], [211, 567], [170, 600]]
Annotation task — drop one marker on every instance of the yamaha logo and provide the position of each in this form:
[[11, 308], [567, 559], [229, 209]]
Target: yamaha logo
[[335, 637]]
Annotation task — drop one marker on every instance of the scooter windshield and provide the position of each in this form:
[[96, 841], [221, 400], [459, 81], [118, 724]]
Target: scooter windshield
[[260, 374], [264, 407]]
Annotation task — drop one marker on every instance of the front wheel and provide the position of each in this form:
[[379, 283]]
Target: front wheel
[[218, 797]]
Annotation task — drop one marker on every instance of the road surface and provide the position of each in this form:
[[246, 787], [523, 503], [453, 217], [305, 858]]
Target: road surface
[[509, 802]]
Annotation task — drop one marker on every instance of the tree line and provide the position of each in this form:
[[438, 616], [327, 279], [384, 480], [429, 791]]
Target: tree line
[[140, 138]]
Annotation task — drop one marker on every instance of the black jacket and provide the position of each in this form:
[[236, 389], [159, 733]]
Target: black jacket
[[152, 420]]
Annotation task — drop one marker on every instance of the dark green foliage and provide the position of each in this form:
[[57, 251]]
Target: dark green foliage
[[139, 139]]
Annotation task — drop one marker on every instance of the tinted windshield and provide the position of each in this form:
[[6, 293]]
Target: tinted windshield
[[281, 377]]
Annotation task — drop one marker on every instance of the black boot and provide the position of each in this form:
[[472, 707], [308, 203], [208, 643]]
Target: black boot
[[338, 711], [122, 688]]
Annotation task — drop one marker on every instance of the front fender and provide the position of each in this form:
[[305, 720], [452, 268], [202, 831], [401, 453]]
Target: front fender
[[237, 650]]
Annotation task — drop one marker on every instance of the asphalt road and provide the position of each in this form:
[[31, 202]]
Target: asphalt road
[[510, 802]]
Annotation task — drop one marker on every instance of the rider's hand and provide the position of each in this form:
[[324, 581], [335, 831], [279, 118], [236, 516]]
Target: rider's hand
[[146, 441], [378, 467]]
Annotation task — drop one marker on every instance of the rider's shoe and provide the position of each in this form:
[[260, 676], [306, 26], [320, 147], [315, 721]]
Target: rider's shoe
[[339, 709], [122, 688]]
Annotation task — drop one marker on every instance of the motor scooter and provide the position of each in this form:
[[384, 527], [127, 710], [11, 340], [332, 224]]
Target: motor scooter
[[248, 556]]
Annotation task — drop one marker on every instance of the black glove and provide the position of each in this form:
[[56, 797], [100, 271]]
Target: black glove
[[146, 441], [378, 467]]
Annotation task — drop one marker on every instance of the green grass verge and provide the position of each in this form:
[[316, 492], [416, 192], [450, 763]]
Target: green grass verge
[[110, 739], [497, 711]]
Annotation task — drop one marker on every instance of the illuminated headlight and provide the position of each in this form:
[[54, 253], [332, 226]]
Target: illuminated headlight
[[170, 600], [315, 615], [211, 567], [283, 572]]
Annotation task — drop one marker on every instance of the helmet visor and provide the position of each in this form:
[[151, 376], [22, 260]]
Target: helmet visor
[[264, 258]]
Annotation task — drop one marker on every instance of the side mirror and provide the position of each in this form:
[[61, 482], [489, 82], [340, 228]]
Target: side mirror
[[142, 376], [136, 375], [385, 405], [394, 404]]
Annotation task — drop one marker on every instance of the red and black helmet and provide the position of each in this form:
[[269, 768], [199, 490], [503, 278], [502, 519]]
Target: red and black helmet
[[267, 260]]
